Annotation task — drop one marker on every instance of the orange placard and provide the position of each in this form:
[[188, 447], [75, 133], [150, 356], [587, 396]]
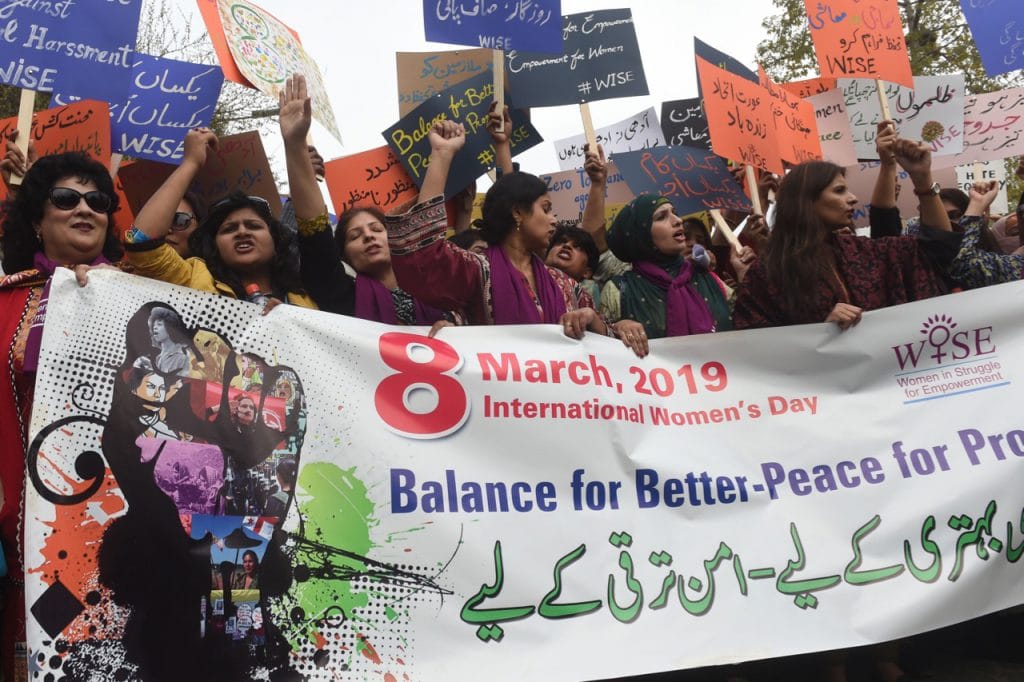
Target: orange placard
[[739, 118], [211, 17], [859, 39], [796, 130], [79, 127], [809, 87], [374, 177]]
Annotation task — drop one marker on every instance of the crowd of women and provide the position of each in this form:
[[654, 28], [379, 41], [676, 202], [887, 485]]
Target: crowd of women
[[649, 274]]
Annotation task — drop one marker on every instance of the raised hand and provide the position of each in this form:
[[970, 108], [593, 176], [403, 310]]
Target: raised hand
[[496, 120], [296, 110], [915, 158], [446, 137], [198, 143], [595, 164], [885, 142]]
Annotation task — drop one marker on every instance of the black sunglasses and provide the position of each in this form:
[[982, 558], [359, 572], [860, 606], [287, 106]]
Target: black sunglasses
[[181, 221], [66, 199]]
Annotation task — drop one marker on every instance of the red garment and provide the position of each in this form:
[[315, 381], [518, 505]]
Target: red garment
[[447, 277], [877, 273], [19, 298]]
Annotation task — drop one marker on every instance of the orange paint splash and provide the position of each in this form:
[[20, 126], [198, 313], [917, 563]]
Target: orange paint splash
[[367, 649]]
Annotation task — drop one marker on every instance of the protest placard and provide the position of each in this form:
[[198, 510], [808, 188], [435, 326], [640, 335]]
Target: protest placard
[[861, 177], [79, 127], [833, 128], [740, 118], [636, 132], [931, 111], [993, 128], [166, 98], [985, 171], [421, 75], [998, 31], [859, 40], [238, 163], [718, 488], [796, 131], [82, 126], [374, 177], [722, 60], [568, 191], [693, 179], [600, 60], [267, 53], [534, 25], [88, 43], [468, 103], [809, 87], [684, 123]]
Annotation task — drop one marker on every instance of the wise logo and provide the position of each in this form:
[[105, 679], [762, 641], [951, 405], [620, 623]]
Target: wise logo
[[944, 343]]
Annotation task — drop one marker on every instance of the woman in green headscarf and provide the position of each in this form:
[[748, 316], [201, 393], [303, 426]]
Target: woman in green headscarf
[[665, 292]]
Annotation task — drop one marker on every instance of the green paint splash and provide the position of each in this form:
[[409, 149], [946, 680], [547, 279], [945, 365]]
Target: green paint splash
[[338, 513]]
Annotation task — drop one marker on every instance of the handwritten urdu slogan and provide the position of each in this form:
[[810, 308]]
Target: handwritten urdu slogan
[[508, 499]]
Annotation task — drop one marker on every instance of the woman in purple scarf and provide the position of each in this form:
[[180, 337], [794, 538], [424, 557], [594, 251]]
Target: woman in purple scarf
[[360, 239], [509, 283]]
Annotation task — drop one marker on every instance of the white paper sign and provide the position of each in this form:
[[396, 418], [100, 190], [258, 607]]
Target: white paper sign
[[632, 134], [833, 127]]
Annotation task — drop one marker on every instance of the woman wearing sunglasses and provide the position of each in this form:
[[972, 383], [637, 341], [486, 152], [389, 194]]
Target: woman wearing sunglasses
[[185, 221], [62, 215], [240, 246]]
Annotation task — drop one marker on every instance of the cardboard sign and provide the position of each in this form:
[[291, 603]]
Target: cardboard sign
[[855, 39], [600, 60], [636, 132], [267, 52], [739, 118], [78, 127], [985, 171], [861, 179], [569, 190], [722, 60], [796, 132], [931, 111], [809, 87], [684, 123], [467, 103], [166, 99], [692, 179], [833, 128], [374, 177], [421, 75], [238, 163], [993, 128], [90, 43], [534, 25], [998, 30]]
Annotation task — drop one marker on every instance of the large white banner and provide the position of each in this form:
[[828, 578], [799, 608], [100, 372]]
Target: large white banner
[[508, 502]]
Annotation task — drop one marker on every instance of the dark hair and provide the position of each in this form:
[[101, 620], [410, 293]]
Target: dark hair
[[695, 225], [286, 469], [511, 191], [203, 243], [172, 323], [346, 218], [581, 238], [198, 210], [466, 238], [24, 211], [955, 196], [255, 558], [797, 254]]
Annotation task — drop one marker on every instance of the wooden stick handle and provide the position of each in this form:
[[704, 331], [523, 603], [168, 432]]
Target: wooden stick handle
[[727, 232], [588, 126], [499, 86], [883, 101], [115, 162], [755, 197], [28, 98]]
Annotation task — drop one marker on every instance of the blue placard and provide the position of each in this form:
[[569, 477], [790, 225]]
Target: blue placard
[[600, 60], [467, 103], [692, 179], [91, 43], [496, 24], [998, 30], [722, 61], [166, 98]]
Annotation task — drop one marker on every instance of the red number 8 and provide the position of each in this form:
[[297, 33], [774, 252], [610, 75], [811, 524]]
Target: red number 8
[[391, 397]]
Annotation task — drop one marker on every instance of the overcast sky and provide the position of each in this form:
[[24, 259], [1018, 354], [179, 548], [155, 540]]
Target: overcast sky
[[355, 45]]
